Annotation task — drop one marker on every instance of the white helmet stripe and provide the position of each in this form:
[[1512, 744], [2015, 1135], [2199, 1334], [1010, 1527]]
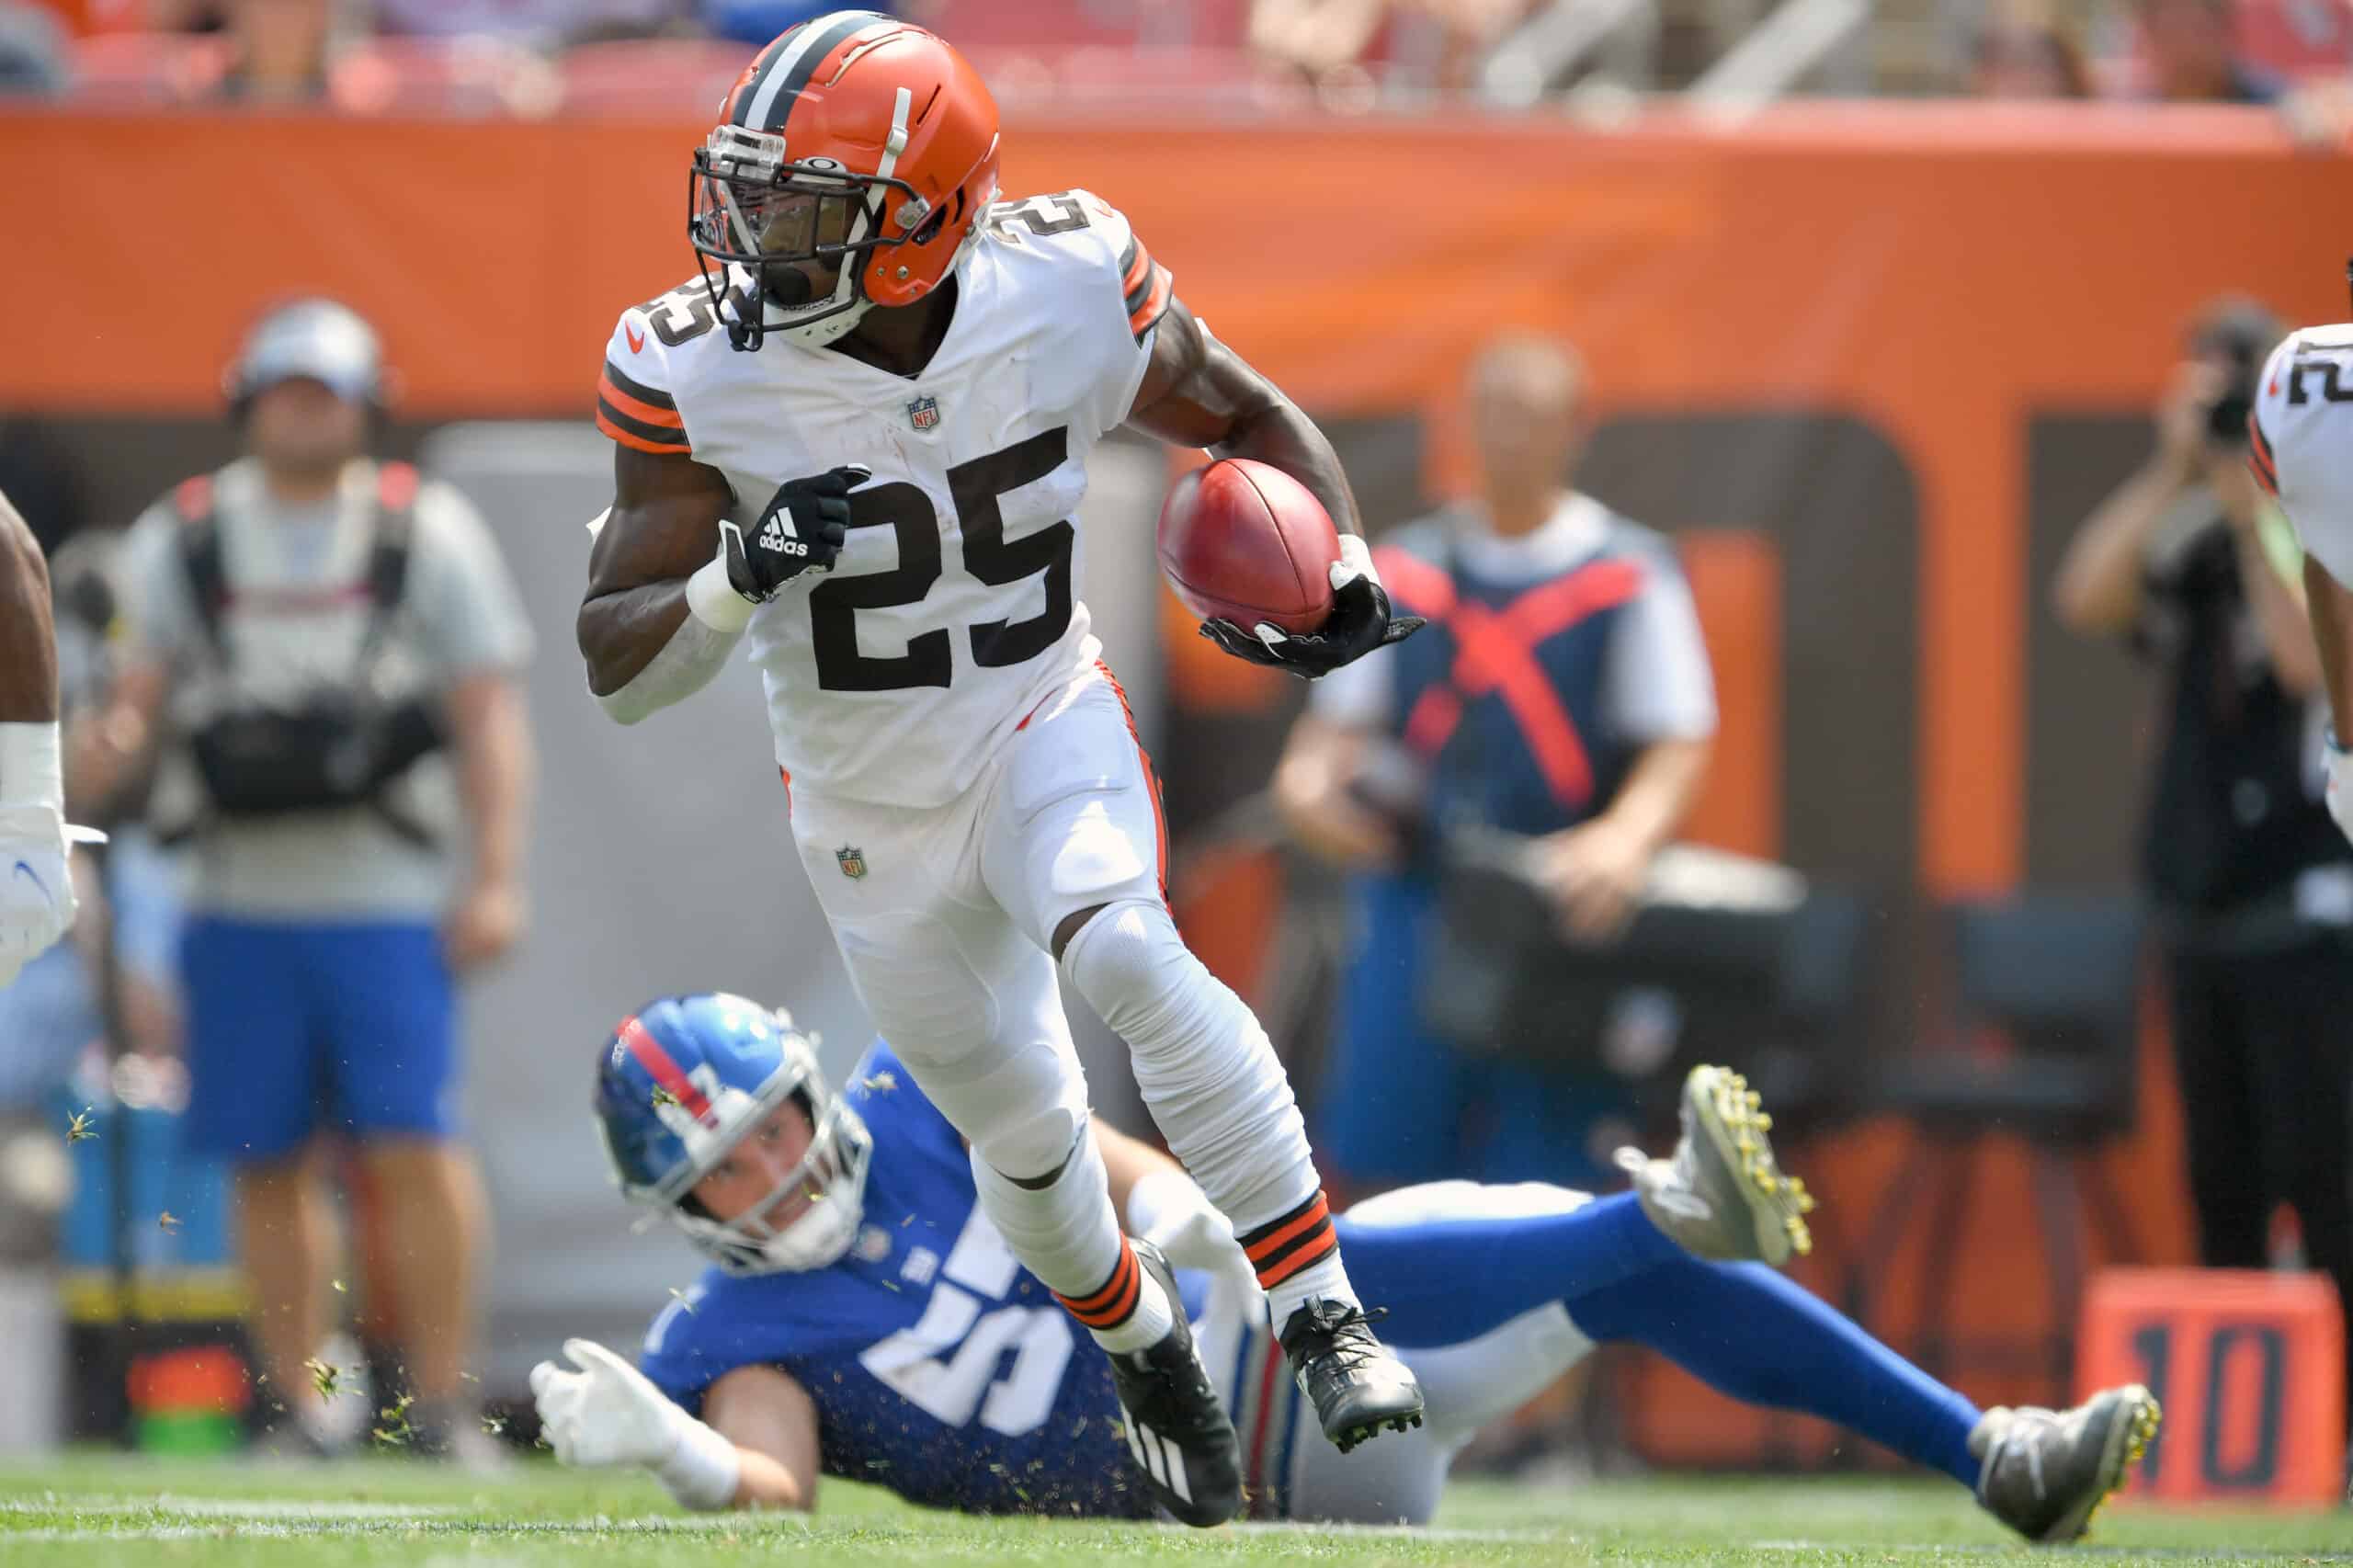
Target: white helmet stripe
[[791, 70]]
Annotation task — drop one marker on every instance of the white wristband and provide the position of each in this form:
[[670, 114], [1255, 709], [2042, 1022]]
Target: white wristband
[[704, 1471], [29, 772], [713, 600]]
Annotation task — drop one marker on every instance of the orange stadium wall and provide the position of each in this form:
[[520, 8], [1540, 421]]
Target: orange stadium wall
[[1868, 363]]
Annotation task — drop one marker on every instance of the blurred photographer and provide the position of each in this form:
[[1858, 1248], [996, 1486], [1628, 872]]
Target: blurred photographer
[[2252, 882], [321, 683]]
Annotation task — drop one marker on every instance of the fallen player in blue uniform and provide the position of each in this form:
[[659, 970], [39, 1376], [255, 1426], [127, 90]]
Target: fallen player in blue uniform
[[864, 1320]]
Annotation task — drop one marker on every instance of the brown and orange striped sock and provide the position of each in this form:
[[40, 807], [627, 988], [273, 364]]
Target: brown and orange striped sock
[[1297, 1256], [1129, 1312]]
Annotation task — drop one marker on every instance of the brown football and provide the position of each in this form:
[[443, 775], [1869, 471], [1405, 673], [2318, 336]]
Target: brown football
[[1246, 542]]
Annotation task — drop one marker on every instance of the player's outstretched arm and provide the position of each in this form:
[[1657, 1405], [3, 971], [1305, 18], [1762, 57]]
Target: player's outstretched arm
[[662, 527], [28, 640], [673, 580], [758, 1449], [36, 902], [1160, 1204], [1199, 392], [773, 1424]]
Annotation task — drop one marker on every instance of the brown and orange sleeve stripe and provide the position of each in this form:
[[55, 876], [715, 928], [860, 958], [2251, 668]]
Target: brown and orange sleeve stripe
[[2259, 459], [1148, 286], [637, 415]]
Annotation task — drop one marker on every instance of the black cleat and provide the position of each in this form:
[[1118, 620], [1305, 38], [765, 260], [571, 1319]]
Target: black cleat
[[1176, 1426], [1357, 1386]]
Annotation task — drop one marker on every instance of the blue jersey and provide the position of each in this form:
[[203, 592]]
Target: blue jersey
[[939, 1366], [1528, 756]]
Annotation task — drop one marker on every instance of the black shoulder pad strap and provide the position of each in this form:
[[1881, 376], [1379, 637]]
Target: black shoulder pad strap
[[207, 580], [389, 549]]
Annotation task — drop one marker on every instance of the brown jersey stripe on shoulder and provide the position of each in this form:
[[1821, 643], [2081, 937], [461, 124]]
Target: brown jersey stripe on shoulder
[[1144, 317], [642, 438], [2259, 457], [652, 431], [2265, 474], [613, 397], [637, 390], [1135, 271]]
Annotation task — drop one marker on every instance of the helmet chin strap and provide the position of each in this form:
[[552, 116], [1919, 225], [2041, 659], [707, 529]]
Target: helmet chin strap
[[847, 306]]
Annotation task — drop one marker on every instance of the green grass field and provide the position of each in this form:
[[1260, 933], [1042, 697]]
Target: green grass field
[[104, 1509]]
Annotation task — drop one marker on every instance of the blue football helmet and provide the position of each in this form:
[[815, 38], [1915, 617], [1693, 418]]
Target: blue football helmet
[[682, 1080]]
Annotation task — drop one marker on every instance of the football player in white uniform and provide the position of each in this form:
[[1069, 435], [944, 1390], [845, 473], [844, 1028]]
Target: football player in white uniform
[[37, 904], [857, 440], [2301, 451]]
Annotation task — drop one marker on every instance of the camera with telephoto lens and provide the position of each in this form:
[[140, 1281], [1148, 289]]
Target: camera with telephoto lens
[[2226, 416], [2240, 334]]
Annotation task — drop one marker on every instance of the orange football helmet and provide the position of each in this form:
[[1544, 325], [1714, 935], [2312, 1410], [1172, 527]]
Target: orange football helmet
[[855, 143]]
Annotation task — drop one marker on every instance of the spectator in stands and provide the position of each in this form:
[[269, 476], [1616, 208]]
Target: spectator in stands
[[544, 24], [32, 51], [2022, 52], [279, 49], [326, 652], [2191, 54], [1321, 37], [755, 22], [2252, 882], [1601, 755]]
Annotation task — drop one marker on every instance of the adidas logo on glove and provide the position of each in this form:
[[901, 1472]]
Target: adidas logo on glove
[[775, 537]]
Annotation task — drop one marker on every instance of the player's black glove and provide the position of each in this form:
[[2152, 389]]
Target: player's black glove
[[801, 530], [1359, 622]]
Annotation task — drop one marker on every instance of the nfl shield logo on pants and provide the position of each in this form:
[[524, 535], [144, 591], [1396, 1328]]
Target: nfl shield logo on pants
[[853, 861], [924, 413]]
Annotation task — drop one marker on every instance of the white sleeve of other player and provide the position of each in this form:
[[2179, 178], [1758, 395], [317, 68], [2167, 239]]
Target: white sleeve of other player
[[1658, 686], [2300, 440]]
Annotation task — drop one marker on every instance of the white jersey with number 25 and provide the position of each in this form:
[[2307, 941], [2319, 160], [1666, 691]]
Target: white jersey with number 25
[[953, 609]]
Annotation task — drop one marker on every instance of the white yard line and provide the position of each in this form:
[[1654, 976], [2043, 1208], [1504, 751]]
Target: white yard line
[[224, 1508], [1387, 1532]]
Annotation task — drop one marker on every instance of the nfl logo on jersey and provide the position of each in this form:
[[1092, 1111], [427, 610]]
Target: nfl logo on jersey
[[924, 413], [852, 861]]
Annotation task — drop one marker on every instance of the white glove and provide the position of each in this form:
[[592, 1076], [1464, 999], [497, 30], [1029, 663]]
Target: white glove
[[608, 1414], [1169, 1211], [2340, 784], [37, 901]]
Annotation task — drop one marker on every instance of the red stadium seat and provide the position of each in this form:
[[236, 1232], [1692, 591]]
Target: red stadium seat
[[441, 75], [1214, 80], [653, 76], [2297, 38], [1051, 25], [148, 68]]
